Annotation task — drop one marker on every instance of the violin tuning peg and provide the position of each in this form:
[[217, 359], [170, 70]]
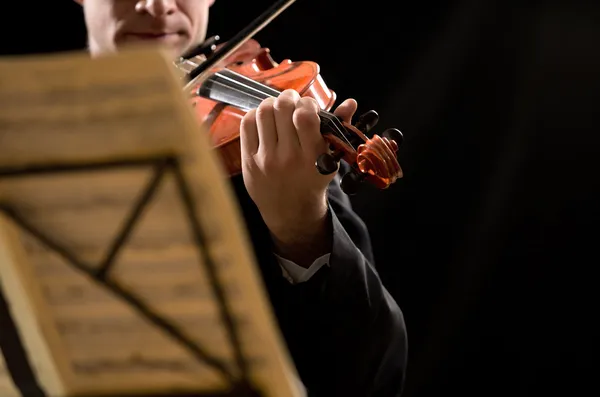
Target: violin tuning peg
[[394, 134], [351, 182], [366, 121], [327, 164]]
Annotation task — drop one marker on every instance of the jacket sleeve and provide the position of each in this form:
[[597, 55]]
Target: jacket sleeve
[[344, 330]]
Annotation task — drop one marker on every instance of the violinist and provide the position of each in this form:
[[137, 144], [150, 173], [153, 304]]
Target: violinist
[[344, 331]]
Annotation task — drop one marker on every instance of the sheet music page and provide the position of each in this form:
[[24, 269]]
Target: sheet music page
[[85, 336]]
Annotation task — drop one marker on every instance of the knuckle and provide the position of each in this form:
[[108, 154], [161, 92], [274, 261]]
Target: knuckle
[[306, 117], [248, 119], [265, 109], [309, 102], [284, 102], [291, 93]]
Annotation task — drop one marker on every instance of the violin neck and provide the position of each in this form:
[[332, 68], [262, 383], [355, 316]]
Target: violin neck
[[234, 89], [237, 90]]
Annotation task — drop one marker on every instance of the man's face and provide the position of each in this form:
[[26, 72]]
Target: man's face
[[176, 24]]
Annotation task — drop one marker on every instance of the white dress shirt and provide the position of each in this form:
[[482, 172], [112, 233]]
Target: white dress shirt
[[297, 274]]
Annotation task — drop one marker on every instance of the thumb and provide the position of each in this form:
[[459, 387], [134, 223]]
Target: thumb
[[346, 110]]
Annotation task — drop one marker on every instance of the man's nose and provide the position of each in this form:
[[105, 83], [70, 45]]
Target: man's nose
[[159, 7]]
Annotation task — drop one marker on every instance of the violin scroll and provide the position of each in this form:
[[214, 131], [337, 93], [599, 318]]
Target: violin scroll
[[372, 159]]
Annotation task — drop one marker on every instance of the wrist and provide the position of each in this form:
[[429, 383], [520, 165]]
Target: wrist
[[304, 239], [297, 221]]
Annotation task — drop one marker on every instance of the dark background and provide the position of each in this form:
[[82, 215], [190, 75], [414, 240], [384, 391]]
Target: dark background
[[489, 241]]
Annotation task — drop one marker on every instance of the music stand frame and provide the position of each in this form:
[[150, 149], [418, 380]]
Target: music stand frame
[[16, 361]]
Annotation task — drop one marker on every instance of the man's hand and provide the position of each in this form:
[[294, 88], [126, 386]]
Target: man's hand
[[280, 142]]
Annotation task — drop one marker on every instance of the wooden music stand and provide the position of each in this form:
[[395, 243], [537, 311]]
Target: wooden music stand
[[124, 265]]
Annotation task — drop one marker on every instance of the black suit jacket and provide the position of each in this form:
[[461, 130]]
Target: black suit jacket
[[344, 331]]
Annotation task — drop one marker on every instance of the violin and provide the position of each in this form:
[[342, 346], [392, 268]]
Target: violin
[[227, 80]]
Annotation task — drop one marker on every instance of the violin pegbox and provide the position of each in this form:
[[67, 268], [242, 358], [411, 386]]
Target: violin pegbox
[[373, 160]]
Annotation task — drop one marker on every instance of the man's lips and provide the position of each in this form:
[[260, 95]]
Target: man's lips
[[150, 36]]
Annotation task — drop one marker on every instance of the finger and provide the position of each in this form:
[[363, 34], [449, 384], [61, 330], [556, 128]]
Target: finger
[[285, 105], [346, 110], [249, 134], [265, 121], [307, 123]]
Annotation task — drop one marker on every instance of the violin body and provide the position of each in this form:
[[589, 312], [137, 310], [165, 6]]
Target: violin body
[[222, 121], [242, 80]]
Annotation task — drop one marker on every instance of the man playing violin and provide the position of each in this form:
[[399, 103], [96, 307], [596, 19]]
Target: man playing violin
[[345, 333]]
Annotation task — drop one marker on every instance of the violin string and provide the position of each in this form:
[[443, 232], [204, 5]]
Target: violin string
[[239, 83], [242, 85], [332, 119], [233, 78]]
